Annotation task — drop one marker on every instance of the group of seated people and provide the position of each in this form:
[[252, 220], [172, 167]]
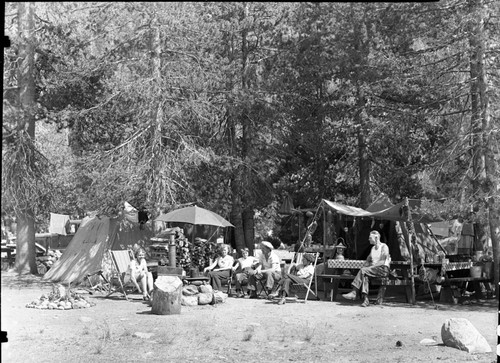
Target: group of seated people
[[249, 270], [266, 268]]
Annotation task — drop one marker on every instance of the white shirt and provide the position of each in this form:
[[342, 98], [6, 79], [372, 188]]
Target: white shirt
[[225, 262], [377, 255], [273, 262], [306, 271], [246, 262]]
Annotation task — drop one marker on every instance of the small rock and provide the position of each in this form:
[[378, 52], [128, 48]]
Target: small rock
[[399, 344], [142, 335], [428, 341]]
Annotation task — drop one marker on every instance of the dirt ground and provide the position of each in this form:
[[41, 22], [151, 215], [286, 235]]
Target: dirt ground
[[240, 330]]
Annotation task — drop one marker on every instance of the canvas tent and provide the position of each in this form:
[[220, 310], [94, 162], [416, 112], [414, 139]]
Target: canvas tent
[[87, 251], [354, 225]]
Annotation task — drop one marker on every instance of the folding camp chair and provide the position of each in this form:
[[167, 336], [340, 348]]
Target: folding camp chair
[[262, 284], [97, 282], [229, 282], [307, 286], [121, 261]]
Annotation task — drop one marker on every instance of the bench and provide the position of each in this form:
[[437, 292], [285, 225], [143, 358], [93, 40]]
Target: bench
[[332, 276], [382, 283], [392, 281], [334, 280]]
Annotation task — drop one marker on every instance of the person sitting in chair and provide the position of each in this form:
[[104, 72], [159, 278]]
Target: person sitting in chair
[[298, 274], [220, 268], [138, 272], [376, 265], [268, 270], [243, 269]]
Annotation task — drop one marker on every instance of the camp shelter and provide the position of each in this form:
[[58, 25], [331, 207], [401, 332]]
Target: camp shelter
[[87, 252], [354, 224]]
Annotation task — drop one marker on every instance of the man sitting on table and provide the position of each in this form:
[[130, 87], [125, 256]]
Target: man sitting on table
[[268, 270], [376, 265]]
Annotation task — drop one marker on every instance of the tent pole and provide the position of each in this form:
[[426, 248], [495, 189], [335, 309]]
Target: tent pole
[[355, 236], [325, 232], [411, 232]]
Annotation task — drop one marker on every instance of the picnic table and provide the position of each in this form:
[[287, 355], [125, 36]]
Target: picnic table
[[456, 275], [346, 270]]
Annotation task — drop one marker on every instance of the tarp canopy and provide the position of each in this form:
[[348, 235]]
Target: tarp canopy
[[397, 212], [390, 222]]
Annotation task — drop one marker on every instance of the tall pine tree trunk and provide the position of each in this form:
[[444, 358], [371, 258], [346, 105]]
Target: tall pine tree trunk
[[242, 212], [249, 228], [484, 183], [236, 211], [362, 32], [25, 242], [363, 160]]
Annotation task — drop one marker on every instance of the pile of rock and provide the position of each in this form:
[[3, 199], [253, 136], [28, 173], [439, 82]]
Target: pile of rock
[[60, 299], [201, 295], [45, 262]]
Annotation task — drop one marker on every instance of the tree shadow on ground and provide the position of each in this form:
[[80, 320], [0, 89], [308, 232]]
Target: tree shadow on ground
[[13, 280], [399, 300]]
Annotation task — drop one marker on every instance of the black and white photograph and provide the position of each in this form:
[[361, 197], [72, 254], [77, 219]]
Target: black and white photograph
[[250, 182]]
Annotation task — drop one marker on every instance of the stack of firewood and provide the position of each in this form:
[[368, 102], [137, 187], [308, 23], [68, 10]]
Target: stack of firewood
[[45, 262]]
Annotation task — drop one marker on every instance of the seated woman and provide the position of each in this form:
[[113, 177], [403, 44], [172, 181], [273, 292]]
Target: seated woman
[[138, 272], [242, 268], [220, 268], [298, 274]]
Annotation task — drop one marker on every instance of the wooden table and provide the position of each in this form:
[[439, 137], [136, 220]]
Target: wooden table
[[404, 279], [450, 287], [9, 251]]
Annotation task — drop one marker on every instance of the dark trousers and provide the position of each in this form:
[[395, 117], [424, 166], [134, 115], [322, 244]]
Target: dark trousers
[[215, 278], [362, 279], [290, 279], [242, 276], [269, 276]]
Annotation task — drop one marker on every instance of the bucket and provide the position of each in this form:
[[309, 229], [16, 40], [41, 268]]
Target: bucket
[[476, 271]]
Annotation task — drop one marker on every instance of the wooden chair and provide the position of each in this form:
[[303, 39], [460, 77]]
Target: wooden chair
[[120, 260], [97, 282]]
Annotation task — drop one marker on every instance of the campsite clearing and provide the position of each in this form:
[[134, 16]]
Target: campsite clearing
[[238, 330]]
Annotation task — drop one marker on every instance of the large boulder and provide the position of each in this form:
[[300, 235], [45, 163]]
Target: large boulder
[[167, 295], [461, 334]]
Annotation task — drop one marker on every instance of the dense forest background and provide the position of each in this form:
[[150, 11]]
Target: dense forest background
[[237, 106]]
